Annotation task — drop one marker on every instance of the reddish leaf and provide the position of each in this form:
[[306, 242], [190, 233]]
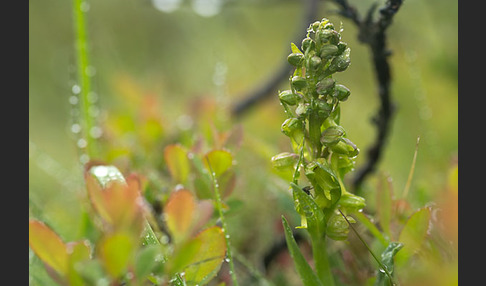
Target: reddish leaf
[[179, 213], [117, 201], [48, 246]]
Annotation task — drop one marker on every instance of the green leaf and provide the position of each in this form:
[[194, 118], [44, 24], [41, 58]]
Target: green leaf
[[413, 234], [146, 260], [177, 161], [209, 256], [79, 253], [387, 261], [218, 161], [295, 49], [92, 272], [183, 255], [309, 208], [307, 275], [116, 252]]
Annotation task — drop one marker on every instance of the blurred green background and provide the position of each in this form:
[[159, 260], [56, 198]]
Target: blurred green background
[[179, 51]]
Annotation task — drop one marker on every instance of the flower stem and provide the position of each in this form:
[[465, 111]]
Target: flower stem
[[321, 260]]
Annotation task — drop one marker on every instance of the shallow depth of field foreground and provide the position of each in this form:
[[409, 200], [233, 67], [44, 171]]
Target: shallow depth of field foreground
[[217, 142]]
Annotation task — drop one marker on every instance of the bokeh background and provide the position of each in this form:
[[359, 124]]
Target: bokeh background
[[182, 59]]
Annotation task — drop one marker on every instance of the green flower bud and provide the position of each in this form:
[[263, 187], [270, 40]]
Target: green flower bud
[[299, 83], [302, 109], [328, 25], [314, 26], [288, 97], [338, 228], [328, 51], [341, 62], [345, 147], [341, 92], [320, 175], [351, 202], [332, 135], [341, 47], [284, 160], [306, 43], [325, 86], [315, 62], [324, 109], [295, 59], [293, 128], [328, 35]]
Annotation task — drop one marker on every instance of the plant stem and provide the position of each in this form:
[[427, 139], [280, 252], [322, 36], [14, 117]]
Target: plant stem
[[219, 206], [321, 260], [83, 77]]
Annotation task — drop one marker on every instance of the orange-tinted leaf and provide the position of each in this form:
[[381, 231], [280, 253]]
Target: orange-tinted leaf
[[116, 200], [209, 257], [179, 213], [205, 209], [218, 161], [177, 161], [48, 246]]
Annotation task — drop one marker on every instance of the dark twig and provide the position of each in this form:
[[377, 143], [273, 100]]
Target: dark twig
[[373, 33], [269, 87]]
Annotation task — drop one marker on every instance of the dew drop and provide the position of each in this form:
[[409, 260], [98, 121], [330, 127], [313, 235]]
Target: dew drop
[[207, 8], [75, 128], [92, 97], [85, 6], [73, 100], [90, 71], [76, 89], [82, 143], [84, 159], [166, 5], [96, 132]]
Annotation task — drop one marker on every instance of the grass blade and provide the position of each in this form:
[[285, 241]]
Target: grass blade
[[309, 278]]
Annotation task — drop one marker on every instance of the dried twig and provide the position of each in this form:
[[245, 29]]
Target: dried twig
[[269, 87], [373, 33]]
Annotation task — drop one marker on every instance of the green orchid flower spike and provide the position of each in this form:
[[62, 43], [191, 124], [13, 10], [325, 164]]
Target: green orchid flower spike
[[324, 152]]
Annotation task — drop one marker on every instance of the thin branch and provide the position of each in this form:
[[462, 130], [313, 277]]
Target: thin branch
[[373, 33], [269, 87]]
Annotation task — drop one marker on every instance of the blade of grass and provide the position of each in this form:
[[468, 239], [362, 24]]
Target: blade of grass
[[412, 169], [382, 267], [219, 206], [307, 275], [371, 227], [81, 46]]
